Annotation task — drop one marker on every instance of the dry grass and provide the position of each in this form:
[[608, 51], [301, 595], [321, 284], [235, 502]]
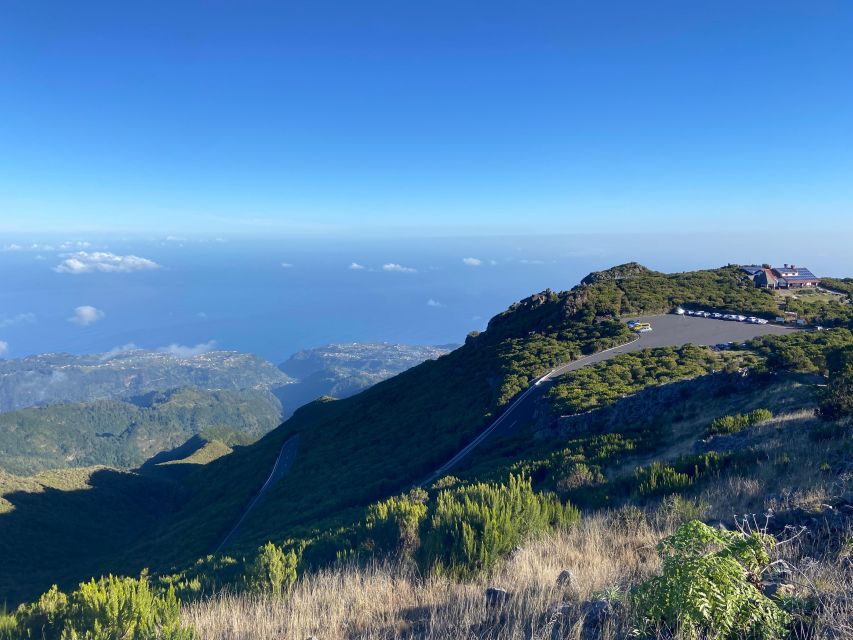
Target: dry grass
[[394, 602], [607, 551], [384, 602]]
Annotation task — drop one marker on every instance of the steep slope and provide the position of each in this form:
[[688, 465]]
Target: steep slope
[[355, 451], [366, 447], [341, 370]]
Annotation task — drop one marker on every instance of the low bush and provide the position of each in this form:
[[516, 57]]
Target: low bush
[[736, 423], [106, 609], [273, 570], [473, 526]]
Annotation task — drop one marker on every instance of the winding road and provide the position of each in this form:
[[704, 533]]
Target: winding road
[[670, 330], [282, 465]]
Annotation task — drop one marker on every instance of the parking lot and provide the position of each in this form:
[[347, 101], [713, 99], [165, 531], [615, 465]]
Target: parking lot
[[675, 330]]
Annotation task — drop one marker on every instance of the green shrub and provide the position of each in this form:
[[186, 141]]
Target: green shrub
[[738, 422], [393, 524], [659, 478], [272, 571], [472, 526], [707, 586], [107, 609], [8, 627]]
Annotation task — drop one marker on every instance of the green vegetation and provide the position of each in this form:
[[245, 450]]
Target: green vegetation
[[828, 313], [802, 351], [601, 384], [124, 433], [842, 285], [836, 401], [473, 526], [460, 529], [61, 526], [739, 422], [660, 478], [357, 452], [707, 586], [632, 289], [106, 609], [272, 571]]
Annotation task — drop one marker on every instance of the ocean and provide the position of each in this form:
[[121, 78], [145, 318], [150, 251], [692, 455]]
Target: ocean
[[275, 296]]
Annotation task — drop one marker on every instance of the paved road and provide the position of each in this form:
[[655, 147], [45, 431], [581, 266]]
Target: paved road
[[282, 465], [670, 330]]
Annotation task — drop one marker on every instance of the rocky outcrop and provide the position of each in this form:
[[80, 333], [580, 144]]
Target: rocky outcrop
[[619, 272]]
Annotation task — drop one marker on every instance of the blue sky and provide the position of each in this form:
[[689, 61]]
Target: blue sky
[[320, 118]]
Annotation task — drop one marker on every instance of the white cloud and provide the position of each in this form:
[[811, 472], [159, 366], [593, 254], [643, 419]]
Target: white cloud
[[356, 267], [35, 246], [286, 265], [185, 351], [472, 262], [117, 351], [4, 348], [525, 261], [434, 303], [77, 244], [86, 315], [103, 261], [398, 268], [21, 318], [202, 315]]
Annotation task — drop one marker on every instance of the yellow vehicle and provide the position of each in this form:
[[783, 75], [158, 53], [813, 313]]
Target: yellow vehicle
[[641, 327]]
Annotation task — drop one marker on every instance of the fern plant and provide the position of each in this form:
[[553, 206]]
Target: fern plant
[[708, 586]]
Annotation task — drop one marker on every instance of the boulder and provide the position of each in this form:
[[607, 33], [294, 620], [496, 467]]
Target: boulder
[[597, 612], [495, 596], [777, 589], [567, 579]]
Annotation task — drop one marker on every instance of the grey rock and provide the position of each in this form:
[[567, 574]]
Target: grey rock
[[596, 612], [495, 596], [567, 579], [777, 589]]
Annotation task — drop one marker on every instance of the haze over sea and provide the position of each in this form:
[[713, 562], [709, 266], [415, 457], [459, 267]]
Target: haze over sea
[[274, 297]]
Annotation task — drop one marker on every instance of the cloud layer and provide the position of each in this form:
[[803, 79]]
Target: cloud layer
[[398, 268], [86, 315], [185, 351], [21, 318], [4, 348], [104, 262]]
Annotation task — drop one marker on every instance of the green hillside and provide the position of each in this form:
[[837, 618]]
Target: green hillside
[[395, 433], [359, 451], [125, 433]]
